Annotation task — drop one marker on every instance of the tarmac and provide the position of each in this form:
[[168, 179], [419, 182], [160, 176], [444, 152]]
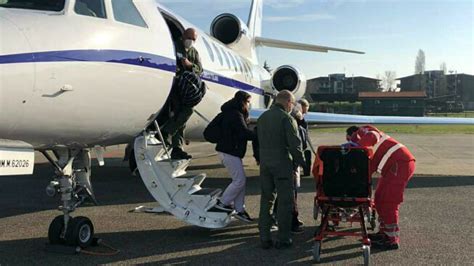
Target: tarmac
[[436, 218]]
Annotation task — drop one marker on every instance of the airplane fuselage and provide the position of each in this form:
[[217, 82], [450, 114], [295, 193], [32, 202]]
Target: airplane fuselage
[[71, 80]]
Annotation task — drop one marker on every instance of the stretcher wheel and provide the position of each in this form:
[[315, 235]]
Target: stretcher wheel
[[317, 251], [315, 211], [372, 220], [372, 224], [366, 250]]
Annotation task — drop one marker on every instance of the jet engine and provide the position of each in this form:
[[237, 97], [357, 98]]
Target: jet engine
[[233, 32], [288, 77]]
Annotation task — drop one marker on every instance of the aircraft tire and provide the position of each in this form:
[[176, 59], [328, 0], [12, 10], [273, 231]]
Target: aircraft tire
[[80, 232], [317, 251], [55, 229]]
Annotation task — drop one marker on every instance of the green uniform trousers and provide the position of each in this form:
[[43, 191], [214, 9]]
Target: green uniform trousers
[[276, 177], [175, 126]]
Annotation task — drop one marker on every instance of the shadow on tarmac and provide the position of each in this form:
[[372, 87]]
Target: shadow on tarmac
[[201, 246], [116, 185]]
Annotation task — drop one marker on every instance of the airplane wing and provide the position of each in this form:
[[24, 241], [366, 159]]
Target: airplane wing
[[299, 46], [326, 118]]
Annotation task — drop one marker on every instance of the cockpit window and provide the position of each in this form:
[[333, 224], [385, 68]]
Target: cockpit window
[[126, 12], [48, 5], [92, 8]]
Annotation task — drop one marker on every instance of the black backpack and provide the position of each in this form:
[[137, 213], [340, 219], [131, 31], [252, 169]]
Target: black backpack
[[191, 89], [213, 131]]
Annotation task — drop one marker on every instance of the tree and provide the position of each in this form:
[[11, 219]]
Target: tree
[[388, 80], [379, 83], [420, 62], [443, 68], [267, 67]]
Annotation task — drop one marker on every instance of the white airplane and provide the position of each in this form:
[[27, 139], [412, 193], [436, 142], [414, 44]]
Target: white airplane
[[79, 75]]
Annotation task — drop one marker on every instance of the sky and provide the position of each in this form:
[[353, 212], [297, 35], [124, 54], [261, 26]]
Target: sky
[[390, 32]]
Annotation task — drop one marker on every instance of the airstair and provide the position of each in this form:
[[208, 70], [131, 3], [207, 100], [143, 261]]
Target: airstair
[[177, 192]]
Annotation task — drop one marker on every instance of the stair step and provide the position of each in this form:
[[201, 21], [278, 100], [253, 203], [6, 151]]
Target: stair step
[[208, 191], [152, 141], [161, 155], [205, 198], [216, 214], [190, 183], [197, 179], [190, 176], [179, 166], [175, 160], [214, 209]]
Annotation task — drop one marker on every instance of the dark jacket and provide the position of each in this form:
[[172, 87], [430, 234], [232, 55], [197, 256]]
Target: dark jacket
[[303, 132], [235, 132]]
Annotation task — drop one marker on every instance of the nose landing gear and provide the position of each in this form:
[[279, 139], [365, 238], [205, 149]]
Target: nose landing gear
[[72, 182], [79, 233]]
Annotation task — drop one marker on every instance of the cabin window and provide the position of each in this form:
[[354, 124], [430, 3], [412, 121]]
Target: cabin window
[[126, 12], [234, 63], [51, 5], [226, 57], [239, 62], [92, 8], [219, 55], [209, 49], [249, 67], [246, 68]]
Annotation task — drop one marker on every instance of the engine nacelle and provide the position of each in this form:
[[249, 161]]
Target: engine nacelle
[[289, 78], [233, 32]]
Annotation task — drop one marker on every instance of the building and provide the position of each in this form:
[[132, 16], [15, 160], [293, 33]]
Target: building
[[433, 82], [442, 90], [409, 103], [338, 87], [462, 85]]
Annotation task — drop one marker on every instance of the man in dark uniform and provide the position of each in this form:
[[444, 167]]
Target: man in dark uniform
[[304, 134], [187, 60], [279, 148]]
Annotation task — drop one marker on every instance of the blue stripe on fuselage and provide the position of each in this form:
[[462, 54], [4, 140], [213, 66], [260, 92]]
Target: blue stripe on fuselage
[[121, 57]]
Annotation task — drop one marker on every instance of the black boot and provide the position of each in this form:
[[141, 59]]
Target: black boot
[[179, 154], [385, 244], [377, 236]]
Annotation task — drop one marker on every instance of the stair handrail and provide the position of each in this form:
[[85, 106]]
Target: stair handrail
[[162, 139]]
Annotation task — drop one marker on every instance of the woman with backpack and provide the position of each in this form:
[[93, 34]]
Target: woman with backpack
[[231, 147]]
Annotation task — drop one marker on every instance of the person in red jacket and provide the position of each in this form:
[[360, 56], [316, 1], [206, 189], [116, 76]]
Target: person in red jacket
[[396, 165]]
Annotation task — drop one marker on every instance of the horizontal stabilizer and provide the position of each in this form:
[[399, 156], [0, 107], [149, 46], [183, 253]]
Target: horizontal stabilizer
[[259, 41]]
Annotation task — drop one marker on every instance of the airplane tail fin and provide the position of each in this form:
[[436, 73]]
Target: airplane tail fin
[[254, 23]]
